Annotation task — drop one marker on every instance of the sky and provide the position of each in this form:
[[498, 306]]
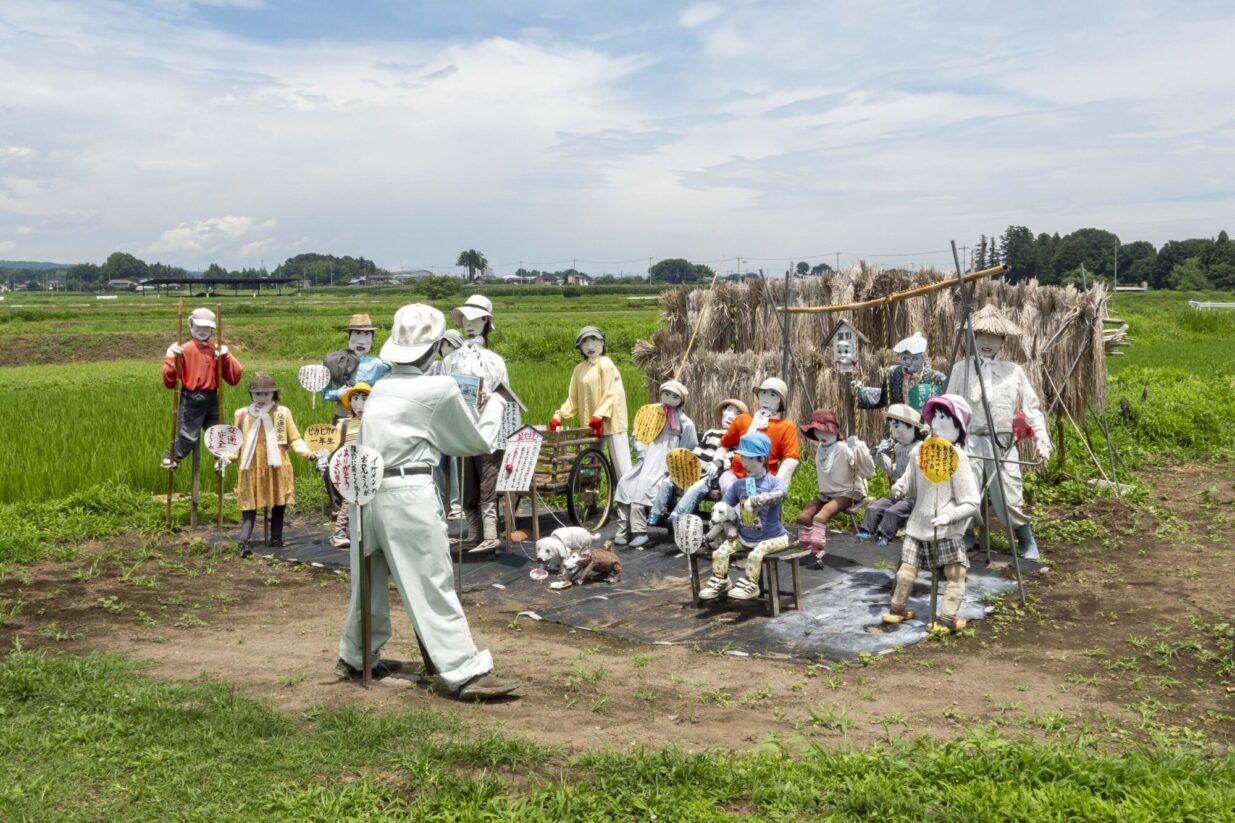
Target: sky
[[605, 135]]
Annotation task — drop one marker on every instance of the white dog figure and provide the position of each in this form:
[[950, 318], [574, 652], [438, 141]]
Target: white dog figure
[[724, 524], [554, 549]]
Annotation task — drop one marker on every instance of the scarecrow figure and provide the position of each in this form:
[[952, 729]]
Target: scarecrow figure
[[842, 468], [597, 395], [195, 366], [411, 420], [768, 419], [911, 381], [757, 498], [355, 365], [636, 490], [265, 478], [941, 512], [710, 467], [353, 401], [887, 515], [445, 475], [991, 441], [478, 484]]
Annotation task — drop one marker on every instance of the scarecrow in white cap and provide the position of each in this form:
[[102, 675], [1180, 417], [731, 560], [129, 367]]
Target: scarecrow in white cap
[[842, 467], [887, 515], [354, 365], [636, 490], [710, 468], [991, 441], [195, 366], [445, 476], [265, 479], [412, 420], [597, 395], [911, 381], [768, 418], [757, 498], [353, 401], [941, 513], [479, 474]]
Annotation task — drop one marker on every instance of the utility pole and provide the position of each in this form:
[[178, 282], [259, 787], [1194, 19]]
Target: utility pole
[[837, 269], [1116, 264]]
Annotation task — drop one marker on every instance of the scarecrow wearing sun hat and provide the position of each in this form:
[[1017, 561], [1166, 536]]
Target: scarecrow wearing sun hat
[[887, 515], [354, 364], [353, 401], [772, 395], [411, 420], [941, 512], [709, 467], [597, 395], [636, 490], [265, 479], [992, 441], [842, 467], [194, 366], [446, 475], [757, 498]]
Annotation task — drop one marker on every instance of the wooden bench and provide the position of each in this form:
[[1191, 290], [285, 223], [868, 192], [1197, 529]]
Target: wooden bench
[[770, 591]]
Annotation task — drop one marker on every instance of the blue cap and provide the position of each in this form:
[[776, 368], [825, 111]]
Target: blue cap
[[755, 444]]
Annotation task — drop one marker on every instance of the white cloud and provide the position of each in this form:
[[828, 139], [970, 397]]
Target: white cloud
[[7, 246], [17, 152], [207, 235], [698, 14]]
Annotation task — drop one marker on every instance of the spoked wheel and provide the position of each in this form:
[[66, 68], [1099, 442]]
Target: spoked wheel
[[589, 493]]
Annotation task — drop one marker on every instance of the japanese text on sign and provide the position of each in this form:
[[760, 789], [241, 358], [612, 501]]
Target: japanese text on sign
[[321, 437], [938, 459], [314, 377], [223, 440], [356, 472], [519, 460]]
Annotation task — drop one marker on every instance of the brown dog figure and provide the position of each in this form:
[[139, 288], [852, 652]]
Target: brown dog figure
[[603, 564]]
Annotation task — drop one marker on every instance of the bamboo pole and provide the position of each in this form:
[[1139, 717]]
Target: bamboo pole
[[218, 373], [171, 452], [896, 297], [677, 373]]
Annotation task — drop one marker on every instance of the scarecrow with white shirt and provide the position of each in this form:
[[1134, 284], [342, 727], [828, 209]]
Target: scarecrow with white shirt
[[842, 467], [991, 441], [265, 478]]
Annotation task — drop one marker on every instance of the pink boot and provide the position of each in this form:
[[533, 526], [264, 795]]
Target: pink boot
[[820, 543], [808, 538]]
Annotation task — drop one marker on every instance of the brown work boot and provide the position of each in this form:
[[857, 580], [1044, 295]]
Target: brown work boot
[[898, 617], [947, 625], [487, 686]]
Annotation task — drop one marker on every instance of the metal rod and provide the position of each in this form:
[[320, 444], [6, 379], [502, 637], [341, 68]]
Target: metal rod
[[218, 369], [366, 606]]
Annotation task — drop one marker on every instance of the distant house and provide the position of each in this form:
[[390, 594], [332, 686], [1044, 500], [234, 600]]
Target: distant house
[[121, 285], [577, 278], [410, 274]]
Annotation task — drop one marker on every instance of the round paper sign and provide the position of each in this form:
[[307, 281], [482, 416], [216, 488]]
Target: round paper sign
[[683, 468], [649, 422], [224, 441], [321, 437], [937, 459], [356, 472], [688, 533], [314, 377]]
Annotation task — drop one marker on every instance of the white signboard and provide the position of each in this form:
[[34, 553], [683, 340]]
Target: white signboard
[[688, 533], [314, 377], [224, 441], [356, 472], [519, 460]]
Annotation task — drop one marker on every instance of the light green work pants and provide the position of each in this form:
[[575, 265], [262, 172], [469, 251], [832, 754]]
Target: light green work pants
[[981, 449], [405, 534]]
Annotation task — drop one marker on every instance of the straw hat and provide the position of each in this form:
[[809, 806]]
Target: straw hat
[[904, 413], [990, 320], [737, 404], [361, 322], [416, 329], [677, 388]]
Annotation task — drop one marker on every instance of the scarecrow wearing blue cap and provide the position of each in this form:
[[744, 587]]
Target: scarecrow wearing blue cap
[[757, 500]]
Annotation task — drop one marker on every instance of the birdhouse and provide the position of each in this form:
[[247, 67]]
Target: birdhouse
[[845, 340]]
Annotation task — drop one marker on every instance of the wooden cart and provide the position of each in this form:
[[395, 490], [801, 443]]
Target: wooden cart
[[572, 464]]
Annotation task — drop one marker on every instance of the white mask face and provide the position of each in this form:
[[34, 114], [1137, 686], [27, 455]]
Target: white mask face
[[944, 426], [201, 333], [474, 328], [755, 467], [358, 401], [902, 432], [912, 363], [670, 398], [447, 348], [988, 344], [727, 415], [591, 347], [360, 342], [826, 438], [262, 399], [769, 401]]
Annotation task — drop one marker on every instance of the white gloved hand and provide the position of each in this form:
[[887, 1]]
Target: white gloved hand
[[221, 464], [221, 350], [898, 489], [944, 518], [711, 469], [323, 463], [1045, 449], [175, 350]]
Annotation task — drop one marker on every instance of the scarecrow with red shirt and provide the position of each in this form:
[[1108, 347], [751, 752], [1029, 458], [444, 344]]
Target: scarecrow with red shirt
[[195, 367]]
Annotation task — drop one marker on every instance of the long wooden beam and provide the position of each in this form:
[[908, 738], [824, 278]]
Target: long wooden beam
[[896, 297]]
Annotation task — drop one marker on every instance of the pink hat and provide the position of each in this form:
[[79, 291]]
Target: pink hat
[[956, 405]]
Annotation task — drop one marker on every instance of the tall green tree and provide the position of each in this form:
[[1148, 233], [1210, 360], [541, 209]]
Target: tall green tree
[[678, 270], [803, 268], [1188, 276], [1019, 250], [475, 262], [124, 266]]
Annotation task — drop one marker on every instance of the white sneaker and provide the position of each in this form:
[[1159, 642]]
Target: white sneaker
[[745, 589], [455, 513], [620, 540], [340, 541], [485, 546], [714, 588], [639, 541]]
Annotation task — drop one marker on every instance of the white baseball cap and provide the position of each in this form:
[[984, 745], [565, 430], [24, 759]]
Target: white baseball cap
[[202, 317], [416, 329]]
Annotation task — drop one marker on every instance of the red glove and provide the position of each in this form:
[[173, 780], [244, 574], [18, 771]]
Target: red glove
[[598, 426], [1020, 427], [554, 424]]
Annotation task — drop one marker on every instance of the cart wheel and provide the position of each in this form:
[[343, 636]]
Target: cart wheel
[[589, 493]]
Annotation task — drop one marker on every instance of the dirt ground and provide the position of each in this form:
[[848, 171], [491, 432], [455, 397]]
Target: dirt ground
[[1128, 635]]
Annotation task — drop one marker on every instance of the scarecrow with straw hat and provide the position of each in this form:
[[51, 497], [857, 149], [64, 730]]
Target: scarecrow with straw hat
[[354, 364], [636, 490], [597, 395], [411, 420], [992, 440], [887, 515], [349, 435], [265, 479], [195, 366], [842, 467], [942, 508]]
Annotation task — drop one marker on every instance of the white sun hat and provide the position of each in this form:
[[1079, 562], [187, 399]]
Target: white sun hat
[[416, 329]]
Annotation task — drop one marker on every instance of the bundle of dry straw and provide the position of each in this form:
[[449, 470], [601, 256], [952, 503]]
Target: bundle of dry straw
[[740, 340]]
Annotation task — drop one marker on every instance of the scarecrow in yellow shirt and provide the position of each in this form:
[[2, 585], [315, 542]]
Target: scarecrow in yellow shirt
[[598, 396]]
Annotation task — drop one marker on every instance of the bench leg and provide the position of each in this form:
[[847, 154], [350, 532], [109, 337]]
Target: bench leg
[[796, 570], [693, 562], [772, 572]]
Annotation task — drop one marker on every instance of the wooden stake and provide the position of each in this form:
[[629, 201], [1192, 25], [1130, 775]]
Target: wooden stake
[[218, 369], [171, 451]]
